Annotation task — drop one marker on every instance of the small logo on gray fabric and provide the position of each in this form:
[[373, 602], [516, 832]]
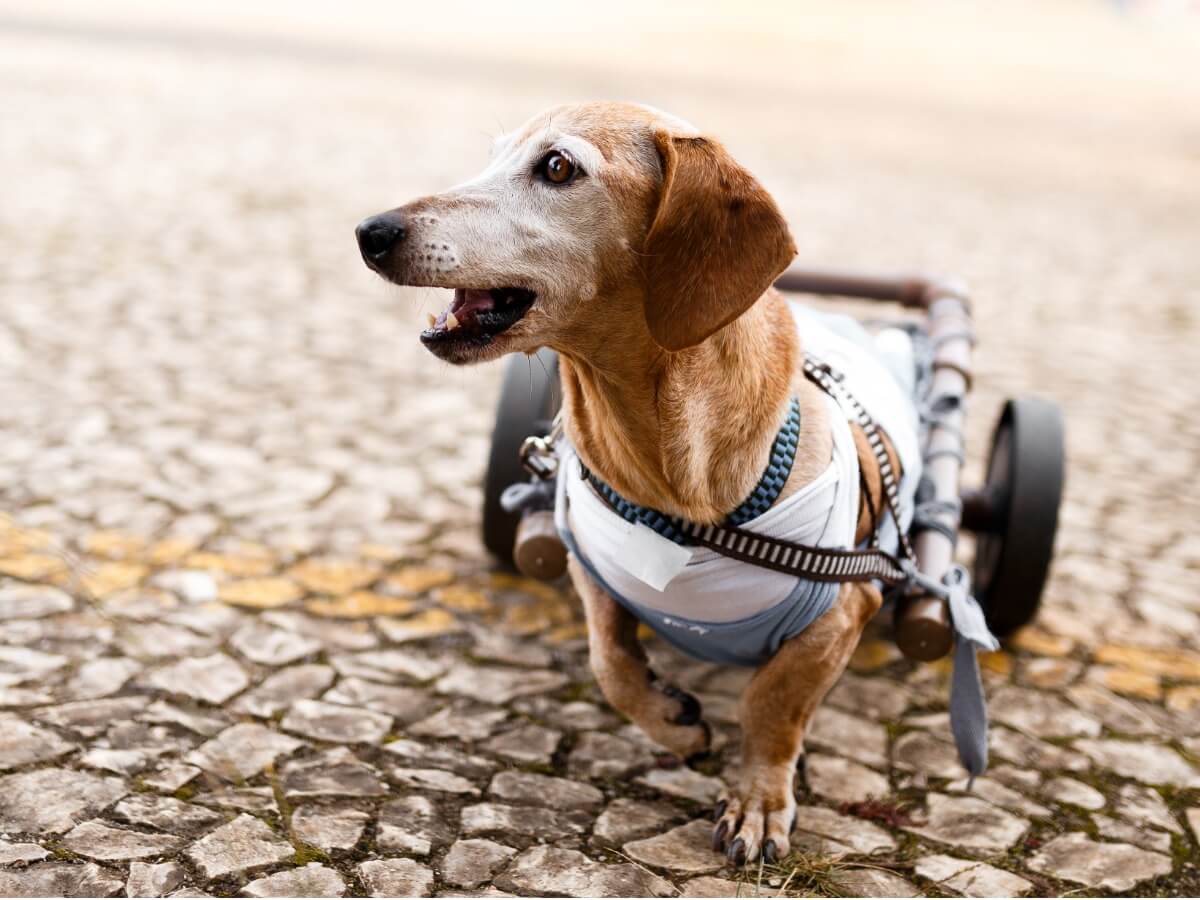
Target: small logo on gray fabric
[[686, 626]]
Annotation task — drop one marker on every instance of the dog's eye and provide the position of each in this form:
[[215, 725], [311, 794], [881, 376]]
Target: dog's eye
[[557, 168]]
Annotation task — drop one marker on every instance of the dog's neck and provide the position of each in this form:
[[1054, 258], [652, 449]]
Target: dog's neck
[[687, 433]]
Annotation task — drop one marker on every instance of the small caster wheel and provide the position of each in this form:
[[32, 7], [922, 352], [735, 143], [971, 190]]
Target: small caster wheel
[[529, 401]]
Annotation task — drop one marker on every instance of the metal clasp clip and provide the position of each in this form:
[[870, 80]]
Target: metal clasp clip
[[538, 457]]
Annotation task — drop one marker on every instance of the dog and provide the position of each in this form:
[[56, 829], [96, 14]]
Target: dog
[[644, 254]]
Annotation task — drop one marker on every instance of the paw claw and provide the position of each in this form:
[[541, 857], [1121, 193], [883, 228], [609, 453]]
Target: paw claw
[[718, 838], [769, 853], [737, 852]]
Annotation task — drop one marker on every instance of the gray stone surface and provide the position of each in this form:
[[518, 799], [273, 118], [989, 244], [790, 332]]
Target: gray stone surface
[[251, 799], [1001, 795], [626, 819], [711, 886], [685, 783], [415, 753], [434, 780], [98, 840], [395, 878], [61, 879], [526, 821], [20, 601], [840, 732], [543, 790], [1115, 867], [473, 861], [971, 878], [686, 850], [568, 873], [281, 689], [332, 773], [1040, 714], [919, 751], [414, 825], [243, 844], [242, 751], [387, 665], [23, 742], [843, 780], [466, 722], [1146, 762], [269, 646], [153, 879], [311, 880], [165, 813], [493, 684], [212, 679], [873, 882], [1145, 806], [90, 718], [968, 822], [12, 852], [600, 755], [335, 723], [45, 801], [170, 777], [526, 745], [827, 832], [1075, 793], [329, 828], [406, 704], [1140, 836]]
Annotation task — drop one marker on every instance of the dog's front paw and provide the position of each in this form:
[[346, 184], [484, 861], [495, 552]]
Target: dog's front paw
[[683, 731], [757, 817]]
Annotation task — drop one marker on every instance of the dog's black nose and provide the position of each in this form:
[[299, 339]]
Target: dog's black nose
[[378, 235]]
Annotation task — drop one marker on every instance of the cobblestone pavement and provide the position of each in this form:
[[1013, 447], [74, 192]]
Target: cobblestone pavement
[[249, 640]]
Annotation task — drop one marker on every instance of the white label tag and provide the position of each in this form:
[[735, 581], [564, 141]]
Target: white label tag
[[651, 558]]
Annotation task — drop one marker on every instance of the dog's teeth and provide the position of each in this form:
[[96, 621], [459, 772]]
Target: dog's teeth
[[451, 321], [432, 319]]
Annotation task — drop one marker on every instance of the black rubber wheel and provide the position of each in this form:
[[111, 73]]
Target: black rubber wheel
[[529, 400], [1015, 515]]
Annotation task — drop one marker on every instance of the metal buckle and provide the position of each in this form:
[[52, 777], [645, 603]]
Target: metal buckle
[[538, 457]]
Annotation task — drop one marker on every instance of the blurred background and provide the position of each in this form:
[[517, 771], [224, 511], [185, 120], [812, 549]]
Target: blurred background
[[188, 338], [220, 437]]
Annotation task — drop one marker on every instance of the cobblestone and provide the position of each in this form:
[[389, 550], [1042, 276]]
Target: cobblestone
[[246, 621], [474, 861], [98, 840], [245, 843], [153, 879], [686, 850], [967, 822], [329, 828], [1117, 867], [971, 878]]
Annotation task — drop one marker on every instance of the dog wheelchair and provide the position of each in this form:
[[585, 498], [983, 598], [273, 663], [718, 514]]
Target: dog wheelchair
[[1013, 515]]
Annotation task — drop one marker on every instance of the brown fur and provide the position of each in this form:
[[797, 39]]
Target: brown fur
[[676, 376]]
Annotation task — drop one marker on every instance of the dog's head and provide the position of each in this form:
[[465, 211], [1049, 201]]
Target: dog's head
[[591, 222]]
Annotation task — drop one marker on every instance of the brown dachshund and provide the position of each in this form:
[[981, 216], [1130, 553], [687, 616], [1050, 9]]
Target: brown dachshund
[[643, 254]]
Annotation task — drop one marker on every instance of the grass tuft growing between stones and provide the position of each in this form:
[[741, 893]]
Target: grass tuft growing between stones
[[799, 874]]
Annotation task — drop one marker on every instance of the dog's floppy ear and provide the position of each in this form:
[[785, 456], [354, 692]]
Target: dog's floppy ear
[[716, 242]]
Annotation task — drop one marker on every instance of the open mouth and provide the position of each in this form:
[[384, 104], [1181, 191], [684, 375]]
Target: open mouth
[[478, 315]]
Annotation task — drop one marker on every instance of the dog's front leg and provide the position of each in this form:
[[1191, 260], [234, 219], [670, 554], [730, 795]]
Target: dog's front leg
[[757, 813], [664, 712]]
